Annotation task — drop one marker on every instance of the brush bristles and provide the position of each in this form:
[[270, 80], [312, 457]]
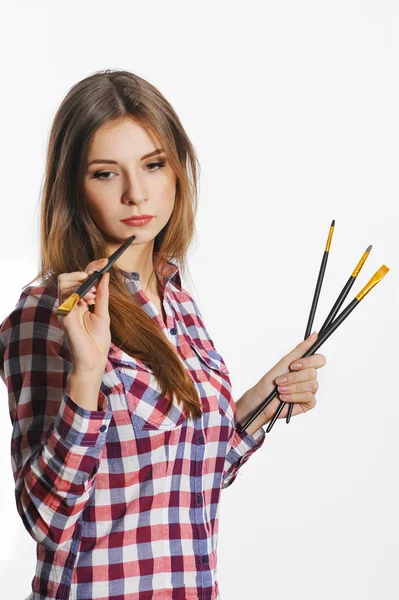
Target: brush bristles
[[376, 278], [383, 270], [68, 305]]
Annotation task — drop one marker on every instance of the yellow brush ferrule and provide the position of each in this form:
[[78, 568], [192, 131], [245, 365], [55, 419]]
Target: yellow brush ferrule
[[330, 234], [359, 265]]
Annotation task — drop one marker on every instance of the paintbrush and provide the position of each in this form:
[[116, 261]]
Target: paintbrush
[[312, 313], [82, 290]]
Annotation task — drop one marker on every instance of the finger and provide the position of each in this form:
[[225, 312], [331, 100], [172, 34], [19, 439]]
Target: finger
[[65, 289], [307, 399], [302, 347], [315, 360], [102, 296], [89, 298], [298, 388], [65, 293], [297, 376], [95, 265], [68, 290], [65, 278]]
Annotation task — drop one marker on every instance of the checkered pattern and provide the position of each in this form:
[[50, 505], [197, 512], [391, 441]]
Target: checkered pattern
[[122, 501]]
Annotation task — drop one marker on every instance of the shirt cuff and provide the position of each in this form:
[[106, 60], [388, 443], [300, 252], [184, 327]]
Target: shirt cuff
[[242, 446], [80, 426]]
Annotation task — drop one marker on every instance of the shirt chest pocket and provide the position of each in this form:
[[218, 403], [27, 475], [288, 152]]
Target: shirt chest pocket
[[146, 405], [217, 373]]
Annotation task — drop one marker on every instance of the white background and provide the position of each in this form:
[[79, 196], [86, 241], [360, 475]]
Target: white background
[[293, 110]]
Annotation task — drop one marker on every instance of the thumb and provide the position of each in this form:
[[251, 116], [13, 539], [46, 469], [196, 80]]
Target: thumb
[[102, 296], [302, 347]]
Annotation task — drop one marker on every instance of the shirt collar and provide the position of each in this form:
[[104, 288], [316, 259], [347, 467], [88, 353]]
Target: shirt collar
[[167, 270]]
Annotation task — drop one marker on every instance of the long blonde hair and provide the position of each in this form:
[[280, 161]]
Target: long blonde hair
[[104, 97]]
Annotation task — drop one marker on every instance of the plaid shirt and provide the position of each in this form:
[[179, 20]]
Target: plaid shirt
[[122, 501]]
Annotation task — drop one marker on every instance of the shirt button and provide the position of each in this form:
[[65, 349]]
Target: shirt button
[[199, 499], [205, 558], [103, 427], [173, 331], [201, 439]]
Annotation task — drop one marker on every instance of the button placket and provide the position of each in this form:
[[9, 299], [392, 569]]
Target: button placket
[[199, 511]]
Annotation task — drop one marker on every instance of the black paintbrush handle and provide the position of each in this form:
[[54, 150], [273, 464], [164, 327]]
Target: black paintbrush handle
[[95, 276], [320, 340], [88, 283], [316, 293], [338, 303], [340, 300]]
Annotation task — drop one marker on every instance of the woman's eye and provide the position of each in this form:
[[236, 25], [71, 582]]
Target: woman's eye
[[98, 175], [156, 164]]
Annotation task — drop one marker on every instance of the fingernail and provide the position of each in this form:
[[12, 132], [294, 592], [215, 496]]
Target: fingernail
[[313, 335], [296, 365]]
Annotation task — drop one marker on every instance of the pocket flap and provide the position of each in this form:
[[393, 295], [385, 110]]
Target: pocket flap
[[211, 357], [118, 356], [147, 406]]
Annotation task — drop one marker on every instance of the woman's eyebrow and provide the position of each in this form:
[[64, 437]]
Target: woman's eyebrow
[[114, 162]]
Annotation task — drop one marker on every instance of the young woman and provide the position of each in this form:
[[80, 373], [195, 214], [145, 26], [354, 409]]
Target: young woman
[[124, 424]]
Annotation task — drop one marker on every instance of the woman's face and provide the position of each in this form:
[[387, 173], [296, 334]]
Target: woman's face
[[123, 183]]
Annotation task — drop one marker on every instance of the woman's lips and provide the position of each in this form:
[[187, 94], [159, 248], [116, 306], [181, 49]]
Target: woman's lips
[[137, 222]]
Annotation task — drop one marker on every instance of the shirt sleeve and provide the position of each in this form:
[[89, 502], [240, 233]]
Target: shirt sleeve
[[56, 444], [241, 446]]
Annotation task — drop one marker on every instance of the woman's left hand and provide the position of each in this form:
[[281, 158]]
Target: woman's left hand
[[302, 384]]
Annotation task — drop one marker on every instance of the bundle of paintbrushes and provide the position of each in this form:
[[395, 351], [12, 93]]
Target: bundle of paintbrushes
[[329, 325]]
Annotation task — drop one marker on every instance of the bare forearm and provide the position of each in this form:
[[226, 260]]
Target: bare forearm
[[245, 407], [84, 391]]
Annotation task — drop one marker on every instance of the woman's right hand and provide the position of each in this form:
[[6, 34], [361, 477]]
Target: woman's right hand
[[88, 333]]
